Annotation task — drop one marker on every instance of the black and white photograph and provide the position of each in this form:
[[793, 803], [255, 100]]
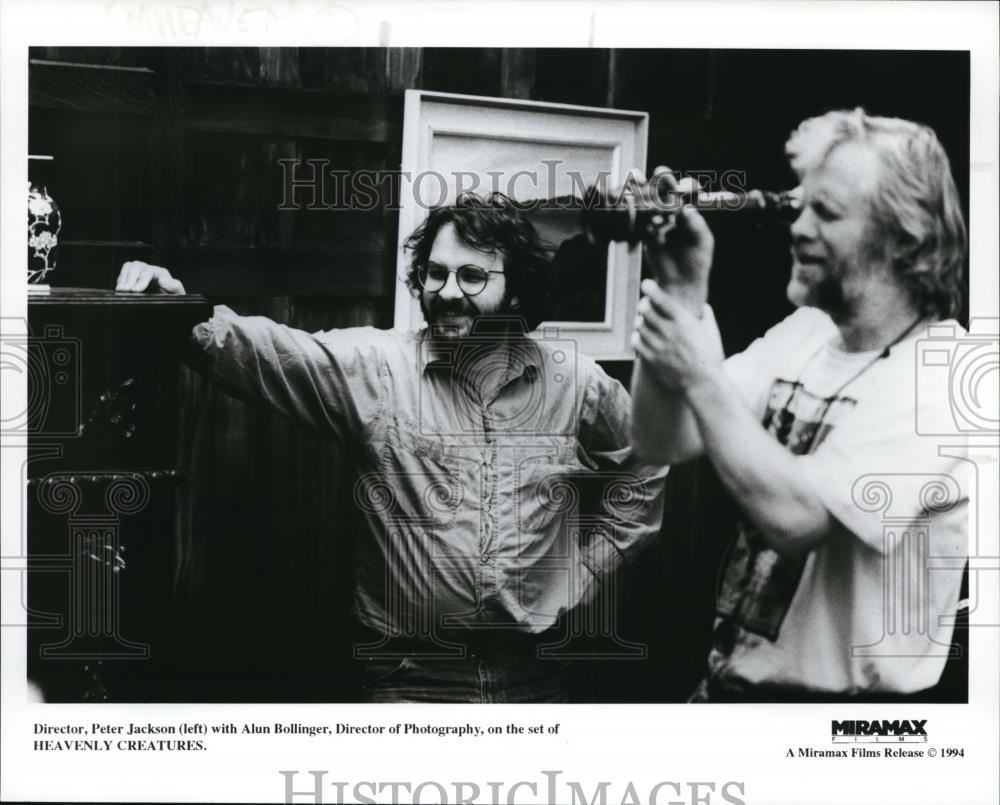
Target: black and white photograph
[[365, 374]]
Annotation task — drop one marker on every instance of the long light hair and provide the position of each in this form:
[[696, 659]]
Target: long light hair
[[915, 205]]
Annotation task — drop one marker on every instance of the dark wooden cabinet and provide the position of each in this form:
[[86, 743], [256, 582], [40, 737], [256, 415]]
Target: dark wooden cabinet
[[101, 488]]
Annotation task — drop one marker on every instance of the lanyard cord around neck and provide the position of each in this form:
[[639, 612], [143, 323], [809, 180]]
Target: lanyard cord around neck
[[883, 354]]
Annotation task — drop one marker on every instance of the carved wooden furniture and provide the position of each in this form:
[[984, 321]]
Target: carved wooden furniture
[[102, 477]]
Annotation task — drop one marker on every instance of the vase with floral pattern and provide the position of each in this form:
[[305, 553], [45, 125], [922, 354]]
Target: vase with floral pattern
[[44, 223]]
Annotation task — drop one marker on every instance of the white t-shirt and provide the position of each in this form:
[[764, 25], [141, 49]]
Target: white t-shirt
[[870, 610]]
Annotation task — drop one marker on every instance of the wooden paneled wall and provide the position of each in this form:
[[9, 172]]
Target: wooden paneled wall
[[171, 155]]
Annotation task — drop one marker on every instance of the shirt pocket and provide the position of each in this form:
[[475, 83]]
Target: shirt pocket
[[415, 482]]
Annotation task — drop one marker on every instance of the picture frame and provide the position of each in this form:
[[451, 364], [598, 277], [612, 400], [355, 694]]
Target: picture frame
[[544, 156]]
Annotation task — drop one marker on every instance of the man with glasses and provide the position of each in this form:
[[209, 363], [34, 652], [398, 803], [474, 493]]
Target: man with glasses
[[473, 443]]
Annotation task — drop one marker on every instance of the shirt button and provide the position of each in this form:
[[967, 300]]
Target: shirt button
[[485, 558]]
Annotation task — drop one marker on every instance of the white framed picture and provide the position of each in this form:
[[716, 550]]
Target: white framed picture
[[544, 156]]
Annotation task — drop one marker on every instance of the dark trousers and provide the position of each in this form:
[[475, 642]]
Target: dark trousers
[[714, 691]]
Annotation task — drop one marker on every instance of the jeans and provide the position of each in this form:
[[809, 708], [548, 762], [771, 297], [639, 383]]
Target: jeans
[[518, 677]]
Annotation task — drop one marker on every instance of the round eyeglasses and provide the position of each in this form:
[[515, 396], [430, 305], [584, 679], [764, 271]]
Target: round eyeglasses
[[471, 279]]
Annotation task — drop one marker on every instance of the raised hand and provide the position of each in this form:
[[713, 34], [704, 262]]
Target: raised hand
[[680, 246]]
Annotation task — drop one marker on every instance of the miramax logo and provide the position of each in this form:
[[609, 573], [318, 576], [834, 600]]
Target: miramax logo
[[883, 731]]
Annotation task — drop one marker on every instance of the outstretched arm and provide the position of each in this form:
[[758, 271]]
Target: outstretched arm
[[318, 381]]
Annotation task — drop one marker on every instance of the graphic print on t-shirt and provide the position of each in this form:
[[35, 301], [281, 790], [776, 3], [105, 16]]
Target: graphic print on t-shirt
[[759, 583]]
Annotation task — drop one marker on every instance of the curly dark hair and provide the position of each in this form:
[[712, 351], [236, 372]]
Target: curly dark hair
[[492, 224]]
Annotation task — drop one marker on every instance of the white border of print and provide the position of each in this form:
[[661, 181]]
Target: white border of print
[[620, 744]]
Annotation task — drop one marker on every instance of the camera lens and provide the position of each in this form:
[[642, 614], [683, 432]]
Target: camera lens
[[625, 218], [608, 219]]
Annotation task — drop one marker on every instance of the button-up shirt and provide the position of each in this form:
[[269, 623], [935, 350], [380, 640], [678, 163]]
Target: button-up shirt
[[497, 487]]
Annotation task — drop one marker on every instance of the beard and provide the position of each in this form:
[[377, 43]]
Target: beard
[[835, 282], [460, 318], [832, 285], [828, 295]]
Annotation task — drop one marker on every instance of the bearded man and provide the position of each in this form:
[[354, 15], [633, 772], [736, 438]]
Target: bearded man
[[468, 437], [844, 580]]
